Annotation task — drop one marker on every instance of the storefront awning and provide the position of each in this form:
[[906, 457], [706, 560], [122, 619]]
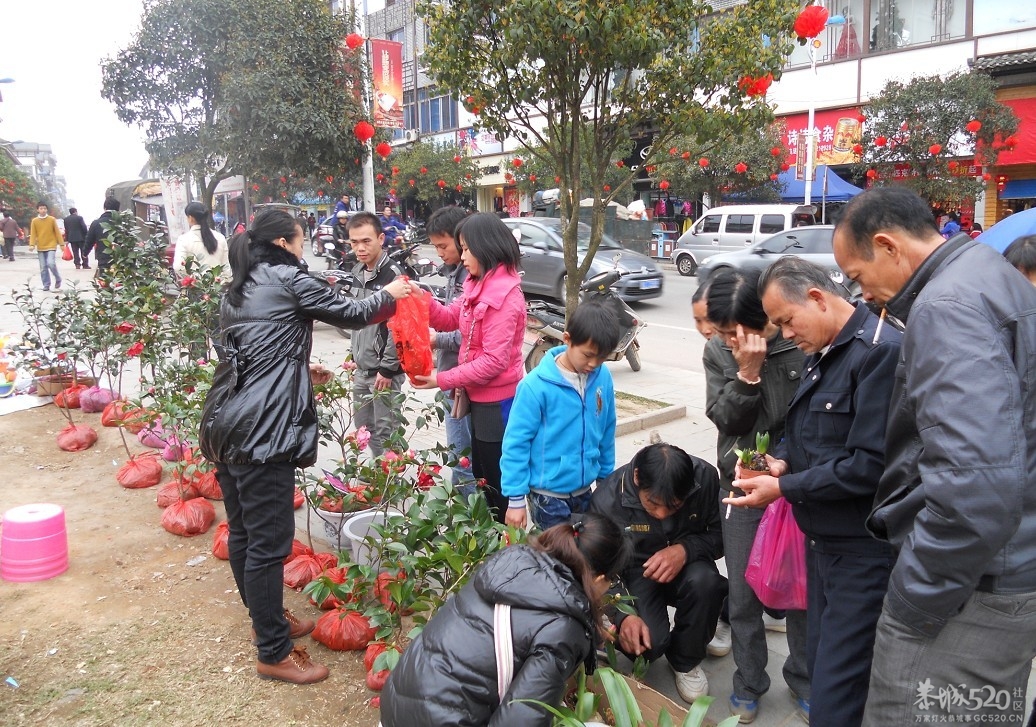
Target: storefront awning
[[1019, 189]]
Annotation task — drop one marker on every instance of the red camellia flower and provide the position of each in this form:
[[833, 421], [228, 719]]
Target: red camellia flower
[[255, 187], [136, 349], [755, 86], [557, 180], [785, 167], [517, 163], [464, 462], [685, 155], [857, 148], [329, 179], [973, 126], [776, 151], [441, 183], [872, 174], [426, 477], [880, 141], [532, 177], [125, 327], [1011, 142], [673, 151], [663, 185], [774, 177], [703, 162], [352, 185], [467, 176], [620, 164], [934, 149], [354, 40], [380, 177], [457, 158], [383, 149], [395, 170], [392, 191], [459, 188], [62, 356], [740, 167], [392, 462], [424, 170], [364, 131], [607, 188], [810, 21], [412, 182], [187, 281]]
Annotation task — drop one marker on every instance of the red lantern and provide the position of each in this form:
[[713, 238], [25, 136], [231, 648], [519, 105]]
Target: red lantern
[[872, 174], [441, 183], [880, 141], [741, 167], [395, 170], [785, 167], [532, 178], [424, 170], [353, 41], [255, 187], [284, 195], [380, 177], [776, 151], [703, 162], [934, 149], [774, 177], [857, 148], [364, 131], [457, 158], [517, 163], [810, 22], [755, 86], [467, 176], [320, 193], [861, 118], [383, 149], [1011, 142], [973, 126], [393, 191], [987, 176], [459, 187], [952, 164], [663, 185]]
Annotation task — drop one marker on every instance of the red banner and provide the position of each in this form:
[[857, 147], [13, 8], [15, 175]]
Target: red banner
[[1024, 151], [387, 77], [836, 132]]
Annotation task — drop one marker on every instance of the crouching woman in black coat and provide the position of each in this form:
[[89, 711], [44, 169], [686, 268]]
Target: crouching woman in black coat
[[259, 421], [554, 586]]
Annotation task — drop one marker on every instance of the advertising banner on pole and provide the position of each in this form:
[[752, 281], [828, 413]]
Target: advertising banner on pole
[[387, 79]]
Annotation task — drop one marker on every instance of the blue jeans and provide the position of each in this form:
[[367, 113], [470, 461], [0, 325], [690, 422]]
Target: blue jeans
[[458, 437], [546, 512], [978, 664], [48, 264]]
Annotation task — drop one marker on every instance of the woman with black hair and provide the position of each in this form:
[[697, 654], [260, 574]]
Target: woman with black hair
[[490, 316], [751, 372], [553, 589], [259, 421], [201, 242]]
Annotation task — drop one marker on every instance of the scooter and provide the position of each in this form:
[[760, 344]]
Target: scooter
[[545, 323]]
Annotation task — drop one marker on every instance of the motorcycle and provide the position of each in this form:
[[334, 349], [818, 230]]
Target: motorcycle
[[545, 324]]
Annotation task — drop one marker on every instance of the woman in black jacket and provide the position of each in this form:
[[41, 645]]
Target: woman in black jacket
[[554, 586], [259, 421]]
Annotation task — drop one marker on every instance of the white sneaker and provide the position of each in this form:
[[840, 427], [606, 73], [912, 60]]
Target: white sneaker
[[770, 623], [692, 684], [720, 644]]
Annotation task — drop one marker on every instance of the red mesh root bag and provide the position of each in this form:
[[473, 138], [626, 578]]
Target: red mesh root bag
[[141, 471], [69, 398], [175, 491], [409, 328], [76, 438], [220, 541], [192, 517], [343, 630]]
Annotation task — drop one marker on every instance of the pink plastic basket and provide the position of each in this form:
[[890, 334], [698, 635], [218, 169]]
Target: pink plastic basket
[[33, 543]]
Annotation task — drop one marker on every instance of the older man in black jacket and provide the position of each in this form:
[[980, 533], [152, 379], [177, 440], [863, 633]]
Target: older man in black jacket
[[958, 497], [828, 467], [668, 501]]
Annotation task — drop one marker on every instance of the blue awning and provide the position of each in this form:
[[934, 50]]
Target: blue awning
[[1019, 189]]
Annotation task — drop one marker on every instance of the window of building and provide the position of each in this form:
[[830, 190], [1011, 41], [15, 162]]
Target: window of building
[[436, 112], [998, 16], [399, 36]]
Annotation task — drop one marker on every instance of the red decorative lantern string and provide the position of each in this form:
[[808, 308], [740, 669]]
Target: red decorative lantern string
[[353, 41], [364, 131], [810, 22], [383, 149]]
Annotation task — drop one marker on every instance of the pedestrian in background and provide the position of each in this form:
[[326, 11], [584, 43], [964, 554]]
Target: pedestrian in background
[[957, 500], [202, 243], [751, 374], [75, 235], [259, 420], [1022, 255], [44, 239], [441, 227], [95, 237], [11, 232]]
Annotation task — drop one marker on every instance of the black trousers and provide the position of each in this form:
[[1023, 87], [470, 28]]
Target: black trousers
[[9, 248], [259, 500], [844, 598], [697, 593], [80, 252], [485, 464]]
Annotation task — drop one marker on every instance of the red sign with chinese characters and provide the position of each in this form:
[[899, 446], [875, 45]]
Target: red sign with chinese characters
[[836, 132]]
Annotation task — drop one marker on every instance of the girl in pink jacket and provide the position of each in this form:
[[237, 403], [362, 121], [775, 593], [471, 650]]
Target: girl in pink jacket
[[490, 316]]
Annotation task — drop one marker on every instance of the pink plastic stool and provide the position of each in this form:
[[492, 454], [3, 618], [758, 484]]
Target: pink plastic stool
[[33, 543]]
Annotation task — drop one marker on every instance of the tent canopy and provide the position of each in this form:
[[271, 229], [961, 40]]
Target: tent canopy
[[838, 190]]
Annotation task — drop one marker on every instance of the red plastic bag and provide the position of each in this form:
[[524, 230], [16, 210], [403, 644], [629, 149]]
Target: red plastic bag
[[153, 435], [373, 652], [301, 570], [76, 438], [141, 471], [69, 398], [113, 414], [298, 548], [335, 575], [409, 327], [192, 517], [376, 680], [777, 564], [300, 498], [220, 541], [66, 252], [208, 486], [343, 630], [175, 491]]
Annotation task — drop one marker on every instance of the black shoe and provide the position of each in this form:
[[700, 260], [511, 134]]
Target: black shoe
[[86, 267], [57, 285], [78, 267]]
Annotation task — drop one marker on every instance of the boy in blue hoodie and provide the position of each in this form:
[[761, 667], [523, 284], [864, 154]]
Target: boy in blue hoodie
[[560, 434]]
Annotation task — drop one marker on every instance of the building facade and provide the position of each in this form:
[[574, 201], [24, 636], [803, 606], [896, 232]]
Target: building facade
[[39, 162]]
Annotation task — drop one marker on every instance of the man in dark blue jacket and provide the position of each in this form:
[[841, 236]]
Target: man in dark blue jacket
[[958, 496], [828, 467]]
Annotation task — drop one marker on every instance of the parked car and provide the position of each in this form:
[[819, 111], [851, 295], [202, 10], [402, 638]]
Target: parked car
[[735, 227], [813, 243], [543, 264]]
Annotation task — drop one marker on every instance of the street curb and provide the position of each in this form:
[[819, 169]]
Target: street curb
[[651, 419]]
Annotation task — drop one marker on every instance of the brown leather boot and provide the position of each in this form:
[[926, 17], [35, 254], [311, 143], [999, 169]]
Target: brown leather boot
[[296, 668], [299, 628]]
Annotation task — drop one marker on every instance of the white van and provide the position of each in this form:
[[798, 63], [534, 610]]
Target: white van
[[735, 227]]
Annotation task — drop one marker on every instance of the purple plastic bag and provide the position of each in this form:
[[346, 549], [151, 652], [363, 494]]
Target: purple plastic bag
[[777, 564]]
